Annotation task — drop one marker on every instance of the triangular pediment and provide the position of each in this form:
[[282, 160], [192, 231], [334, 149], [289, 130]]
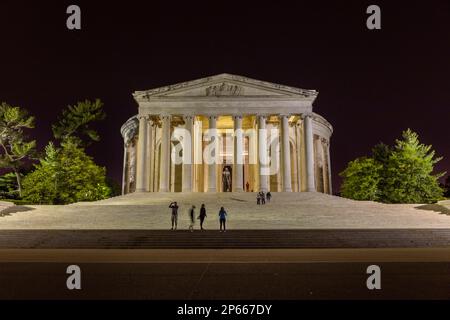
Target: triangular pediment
[[224, 85]]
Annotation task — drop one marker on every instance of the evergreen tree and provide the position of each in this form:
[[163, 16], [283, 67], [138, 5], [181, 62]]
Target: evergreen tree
[[75, 122], [8, 186], [15, 148], [402, 174], [40, 186], [8, 182], [409, 172], [380, 154], [66, 175], [361, 179]]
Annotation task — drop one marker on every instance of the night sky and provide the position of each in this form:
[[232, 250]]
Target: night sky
[[372, 84]]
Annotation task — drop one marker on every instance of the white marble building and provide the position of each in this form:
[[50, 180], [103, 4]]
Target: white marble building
[[264, 136]]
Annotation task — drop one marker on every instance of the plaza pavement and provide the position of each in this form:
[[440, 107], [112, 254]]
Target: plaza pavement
[[225, 274], [307, 210]]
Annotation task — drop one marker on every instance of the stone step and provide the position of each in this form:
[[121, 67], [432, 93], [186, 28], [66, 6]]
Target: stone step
[[339, 238]]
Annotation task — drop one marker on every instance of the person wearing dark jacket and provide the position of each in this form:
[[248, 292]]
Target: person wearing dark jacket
[[202, 216], [223, 219], [192, 218], [174, 218]]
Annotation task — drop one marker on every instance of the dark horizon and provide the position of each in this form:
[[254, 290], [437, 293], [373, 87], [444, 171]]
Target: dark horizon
[[372, 84]]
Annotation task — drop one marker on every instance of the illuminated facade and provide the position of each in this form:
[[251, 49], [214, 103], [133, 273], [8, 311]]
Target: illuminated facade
[[226, 133]]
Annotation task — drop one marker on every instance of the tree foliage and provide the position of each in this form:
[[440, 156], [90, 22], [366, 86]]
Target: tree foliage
[[66, 175], [410, 172], [362, 177], [76, 121], [15, 148], [8, 186], [399, 174], [8, 182]]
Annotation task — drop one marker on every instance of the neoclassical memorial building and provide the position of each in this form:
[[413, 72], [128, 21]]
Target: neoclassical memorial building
[[265, 136]]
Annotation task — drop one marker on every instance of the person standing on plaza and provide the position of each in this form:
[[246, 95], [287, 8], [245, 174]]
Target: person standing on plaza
[[202, 216], [174, 218], [192, 218], [268, 196], [223, 219]]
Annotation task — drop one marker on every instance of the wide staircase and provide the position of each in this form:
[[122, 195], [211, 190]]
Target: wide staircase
[[263, 239]]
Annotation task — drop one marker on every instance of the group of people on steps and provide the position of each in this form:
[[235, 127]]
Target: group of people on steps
[[260, 199], [202, 216]]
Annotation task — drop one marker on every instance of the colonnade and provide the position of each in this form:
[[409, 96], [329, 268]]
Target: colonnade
[[154, 173]]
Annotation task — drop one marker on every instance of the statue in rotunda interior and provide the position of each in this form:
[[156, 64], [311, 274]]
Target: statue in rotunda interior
[[226, 179]]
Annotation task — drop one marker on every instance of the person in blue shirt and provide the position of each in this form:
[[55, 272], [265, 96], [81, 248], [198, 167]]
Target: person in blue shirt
[[222, 219]]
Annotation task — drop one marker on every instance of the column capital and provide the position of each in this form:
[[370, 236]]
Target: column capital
[[262, 116], [212, 116], [237, 116], [164, 116], [143, 117], [187, 117], [285, 117], [307, 114]]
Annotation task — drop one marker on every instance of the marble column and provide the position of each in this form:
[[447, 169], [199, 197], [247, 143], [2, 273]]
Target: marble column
[[141, 174], [253, 156], [157, 158], [153, 159], [197, 137], [326, 183], [188, 158], [238, 155], [298, 156], [264, 168], [309, 148], [124, 170], [319, 165], [165, 155], [148, 160], [330, 185], [287, 185], [131, 183], [212, 167]]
